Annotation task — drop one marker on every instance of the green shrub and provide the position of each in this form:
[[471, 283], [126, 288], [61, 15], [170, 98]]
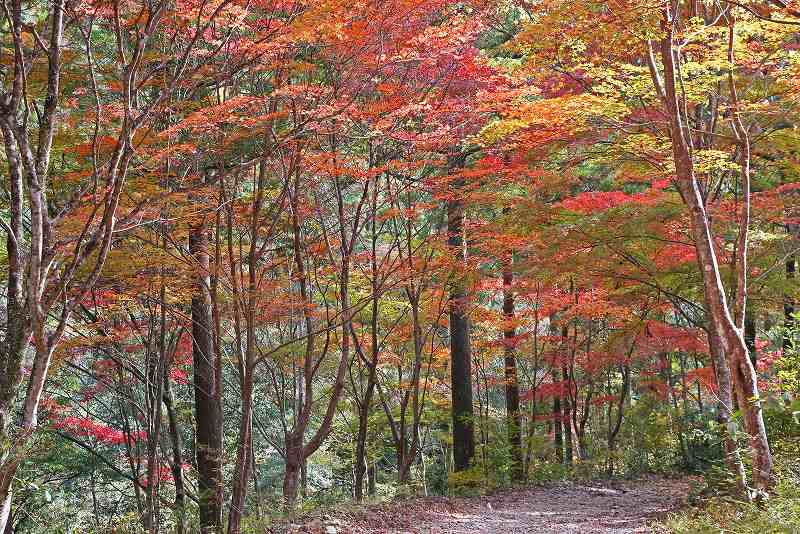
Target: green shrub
[[472, 481], [779, 514]]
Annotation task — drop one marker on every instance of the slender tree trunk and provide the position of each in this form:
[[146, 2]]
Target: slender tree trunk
[[371, 489], [565, 421], [28, 234], [155, 401], [241, 474], [720, 320], [567, 418], [558, 442], [750, 335], [304, 478], [245, 303], [7, 471], [513, 413], [372, 364], [360, 467], [614, 428], [296, 449], [789, 305], [177, 456], [17, 327], [725, 413]]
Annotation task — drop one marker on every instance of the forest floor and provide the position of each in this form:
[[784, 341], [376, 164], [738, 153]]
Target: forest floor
[[623, 507]]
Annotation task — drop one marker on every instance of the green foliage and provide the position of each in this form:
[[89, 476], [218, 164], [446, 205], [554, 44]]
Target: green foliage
[[472, 481], [779, 514], [789, 363], [654, 446], [547, 472]]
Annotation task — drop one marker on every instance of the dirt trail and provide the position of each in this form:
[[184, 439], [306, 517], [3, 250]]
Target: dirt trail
[[603, 508]]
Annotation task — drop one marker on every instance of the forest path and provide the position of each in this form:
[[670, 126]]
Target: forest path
[[592, 507]]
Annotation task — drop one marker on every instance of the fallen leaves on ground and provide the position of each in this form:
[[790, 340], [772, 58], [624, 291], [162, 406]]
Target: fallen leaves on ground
[[591, 507]]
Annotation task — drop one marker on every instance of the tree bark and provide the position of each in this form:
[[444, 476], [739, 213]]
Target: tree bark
[[558, 441], [614, 428], [750, 334], [371, 489], [789, 305], [177, 456], [291, 477], [730, 334], [513, 413], [208, 411], [567, 418], [365, 406], [460, 353], [722, 374], [567, 397], [295, 438]]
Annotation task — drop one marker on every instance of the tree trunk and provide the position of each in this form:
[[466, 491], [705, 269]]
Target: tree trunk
[[208, 412], [360, 467], [564, 413], [297, 450], [558, 441], [304, 478], [613, 429], [750, 335], [722, 374], [7, 471], [789, 323], [291, 477], [513, 414], [177, 456], [567, 418], [156, 363], [371, 480], [241, 474], [460, 355], [717, 309]]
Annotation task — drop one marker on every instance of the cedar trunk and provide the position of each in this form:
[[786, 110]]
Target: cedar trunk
[[460, 356], [208, 412], [513, 414]]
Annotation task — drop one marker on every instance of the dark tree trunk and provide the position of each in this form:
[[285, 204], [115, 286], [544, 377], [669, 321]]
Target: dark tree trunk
[[208, 412], [365, 407], [294, 465], [750, 334], [461, 377], [566, 417], [241, 473], [177, 456], [460, 355], [567, 426], [558, 442], [513, 414], [9, 528], [360, 467], [789, 306], [614, 428], [297, 449], [155, 363], [371, 479]]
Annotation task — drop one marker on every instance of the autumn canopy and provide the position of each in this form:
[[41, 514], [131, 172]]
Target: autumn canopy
[[265, 256]]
